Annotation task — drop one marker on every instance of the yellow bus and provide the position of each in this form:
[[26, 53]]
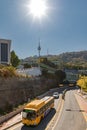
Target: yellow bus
[[36, 110]]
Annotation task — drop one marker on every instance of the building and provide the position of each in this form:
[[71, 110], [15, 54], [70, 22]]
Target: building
[[5, 46], [71, 75]]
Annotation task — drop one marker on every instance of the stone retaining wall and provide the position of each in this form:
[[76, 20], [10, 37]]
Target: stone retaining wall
[[15, 91]]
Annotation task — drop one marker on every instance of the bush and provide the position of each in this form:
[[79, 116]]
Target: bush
[[1, 111], [7, 71], [8, 107]]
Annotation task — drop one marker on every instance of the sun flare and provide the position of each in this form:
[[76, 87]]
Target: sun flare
[[37, 8]]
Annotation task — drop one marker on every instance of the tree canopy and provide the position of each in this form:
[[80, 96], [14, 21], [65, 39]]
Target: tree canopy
[[14, 59], [60, 75]]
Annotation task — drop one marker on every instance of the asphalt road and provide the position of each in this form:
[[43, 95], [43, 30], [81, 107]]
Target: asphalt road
[[71, 117], [42, 125]]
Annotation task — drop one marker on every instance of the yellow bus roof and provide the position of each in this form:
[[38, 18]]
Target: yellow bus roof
[[38, 103]]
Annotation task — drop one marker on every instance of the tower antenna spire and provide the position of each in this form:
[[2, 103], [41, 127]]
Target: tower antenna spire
[[39, 48]]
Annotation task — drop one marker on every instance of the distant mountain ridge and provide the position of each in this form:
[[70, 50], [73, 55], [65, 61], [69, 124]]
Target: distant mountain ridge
[[76, 58]]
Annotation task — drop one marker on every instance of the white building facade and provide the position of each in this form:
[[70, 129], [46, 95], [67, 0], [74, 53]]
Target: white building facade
[[5, 47]]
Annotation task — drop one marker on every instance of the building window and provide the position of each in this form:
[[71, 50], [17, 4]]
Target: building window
[[4, 52]]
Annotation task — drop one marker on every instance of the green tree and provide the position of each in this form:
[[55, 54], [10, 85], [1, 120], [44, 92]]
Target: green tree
[[44, 72], [60, 75], [14, 59], [27, 65]]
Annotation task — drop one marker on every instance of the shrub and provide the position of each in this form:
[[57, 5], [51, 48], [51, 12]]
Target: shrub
[[1, 111], [7, 71]]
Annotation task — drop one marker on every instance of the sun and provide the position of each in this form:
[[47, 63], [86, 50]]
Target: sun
[[37, 8]]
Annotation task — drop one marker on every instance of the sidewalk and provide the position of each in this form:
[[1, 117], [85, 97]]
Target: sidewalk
[[82, 103], [12, 121]]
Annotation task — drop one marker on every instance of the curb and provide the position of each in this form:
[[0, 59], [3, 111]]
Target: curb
[[8, 116], [11, 125], [81, 96]]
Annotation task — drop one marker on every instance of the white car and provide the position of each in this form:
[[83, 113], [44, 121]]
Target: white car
[[56, 95]]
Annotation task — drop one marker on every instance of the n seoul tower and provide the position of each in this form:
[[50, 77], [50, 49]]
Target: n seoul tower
[[39, 49]]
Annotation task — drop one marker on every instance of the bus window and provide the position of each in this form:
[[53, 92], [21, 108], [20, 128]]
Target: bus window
[[30, 114], [24, 114]]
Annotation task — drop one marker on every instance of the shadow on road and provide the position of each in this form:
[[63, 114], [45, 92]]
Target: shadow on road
[[43, 124]]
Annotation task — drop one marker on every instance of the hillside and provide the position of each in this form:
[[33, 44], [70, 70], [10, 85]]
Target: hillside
[[69, 58], [74, 56]]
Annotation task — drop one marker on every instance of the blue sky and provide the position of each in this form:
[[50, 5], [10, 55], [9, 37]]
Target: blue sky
[[63, 30]]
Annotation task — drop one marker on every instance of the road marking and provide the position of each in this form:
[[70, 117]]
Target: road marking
[[84, 113]]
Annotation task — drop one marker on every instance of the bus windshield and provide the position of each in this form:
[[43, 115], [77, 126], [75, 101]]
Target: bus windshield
[[30, 114]]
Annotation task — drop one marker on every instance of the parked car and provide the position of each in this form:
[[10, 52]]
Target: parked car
[[56, 95]]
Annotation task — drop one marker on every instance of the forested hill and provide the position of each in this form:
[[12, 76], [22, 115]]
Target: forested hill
[[74, 56], [68, 58], [78, 58]]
